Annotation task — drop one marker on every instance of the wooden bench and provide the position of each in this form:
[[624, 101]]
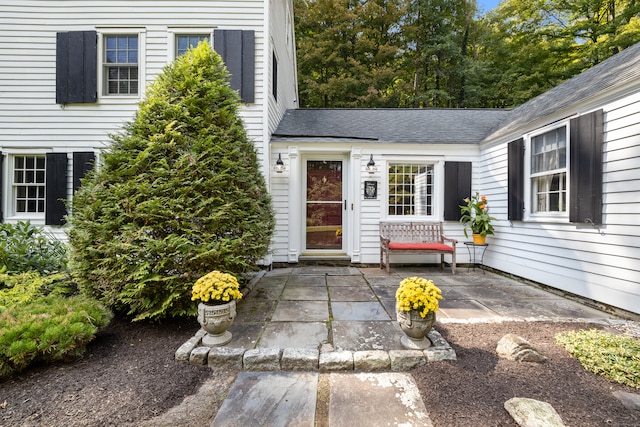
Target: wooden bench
[[415, 238]]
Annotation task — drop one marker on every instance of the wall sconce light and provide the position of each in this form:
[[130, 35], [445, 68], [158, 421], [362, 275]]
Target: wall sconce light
[[279, 166], [371, 166]]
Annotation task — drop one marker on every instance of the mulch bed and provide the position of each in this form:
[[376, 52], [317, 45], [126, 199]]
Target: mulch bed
[[128, 377]]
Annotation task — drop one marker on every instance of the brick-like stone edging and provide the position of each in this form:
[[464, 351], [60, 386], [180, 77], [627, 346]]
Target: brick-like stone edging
[[325, 359]]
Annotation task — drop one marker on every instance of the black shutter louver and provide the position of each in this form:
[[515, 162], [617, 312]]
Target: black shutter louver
[[585, 168], [56, 189], [457, 187], [76, 67], [237, 49], [83, 162], [515, 181]]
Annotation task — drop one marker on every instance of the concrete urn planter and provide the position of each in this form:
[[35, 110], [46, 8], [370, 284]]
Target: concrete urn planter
[[216, 319], [416, 328]]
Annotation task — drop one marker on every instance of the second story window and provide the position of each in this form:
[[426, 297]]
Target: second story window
[[121, 64], [186, 41]]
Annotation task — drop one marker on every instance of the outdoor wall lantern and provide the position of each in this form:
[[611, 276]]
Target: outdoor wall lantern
[[371, 166], [279, 166]]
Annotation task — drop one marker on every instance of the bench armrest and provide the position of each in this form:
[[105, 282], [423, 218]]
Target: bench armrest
[[448, 239]]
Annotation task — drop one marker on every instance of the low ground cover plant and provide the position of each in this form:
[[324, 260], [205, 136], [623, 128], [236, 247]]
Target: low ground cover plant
[[616, 357], [42, 319]]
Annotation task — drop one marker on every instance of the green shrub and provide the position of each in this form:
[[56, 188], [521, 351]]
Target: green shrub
[[179, 194], [25, 247], [617, 357], [47, 329], [16, 289]]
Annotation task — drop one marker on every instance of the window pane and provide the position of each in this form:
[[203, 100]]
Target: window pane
[[22, 192], [21, 206], [18, 177], [19, 162], [410, 189], [110, 42], [30, 162]]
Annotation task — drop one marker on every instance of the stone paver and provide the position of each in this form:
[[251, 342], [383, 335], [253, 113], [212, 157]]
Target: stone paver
[[274, 399], [349, 314], [347, 310], [356, 400]]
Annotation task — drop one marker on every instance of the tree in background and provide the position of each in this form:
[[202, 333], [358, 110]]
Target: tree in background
[[178, 194], [347, 51], [440, 53]]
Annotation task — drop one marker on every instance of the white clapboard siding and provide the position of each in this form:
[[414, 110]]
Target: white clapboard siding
[[29, 115], [597, 262]]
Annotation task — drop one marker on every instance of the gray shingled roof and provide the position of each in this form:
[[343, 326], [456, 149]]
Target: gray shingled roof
[[617, 70], [418, 126], [455, 126]]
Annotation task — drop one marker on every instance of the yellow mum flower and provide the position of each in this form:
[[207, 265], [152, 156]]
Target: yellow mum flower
[[417, 293]]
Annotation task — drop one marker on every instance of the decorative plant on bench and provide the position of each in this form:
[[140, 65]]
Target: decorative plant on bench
[[475, 215]]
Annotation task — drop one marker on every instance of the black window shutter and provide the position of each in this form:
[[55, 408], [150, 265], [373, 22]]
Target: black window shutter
[[585, 168], [56, 189], [1, 186], [457, 187], [274, 77], [237, 49], [82, 163], [76, 72], [515, 180]]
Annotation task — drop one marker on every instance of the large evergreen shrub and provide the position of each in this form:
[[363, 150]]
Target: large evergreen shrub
[[178, 194]]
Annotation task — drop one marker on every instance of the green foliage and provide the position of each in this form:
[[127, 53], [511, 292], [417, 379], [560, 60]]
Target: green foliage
[[22, 288], [441, 53], [616, 357], [180, 193], [475, 215], [47, 329], [24, 247]]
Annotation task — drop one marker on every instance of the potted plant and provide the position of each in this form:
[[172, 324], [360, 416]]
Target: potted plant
[[475, 215], [416, 307], [217, 293]]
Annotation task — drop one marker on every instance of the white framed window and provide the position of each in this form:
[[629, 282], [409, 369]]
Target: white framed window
[[547, 160], [121, 62], [180, 39], [410, 189], [28, 183], [184, 42]]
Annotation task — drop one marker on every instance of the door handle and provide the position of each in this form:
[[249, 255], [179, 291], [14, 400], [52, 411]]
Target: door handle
[[345, 205]]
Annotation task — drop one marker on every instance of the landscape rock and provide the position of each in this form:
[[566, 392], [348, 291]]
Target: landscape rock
[[513, 347], [533, 413], [630, 401]]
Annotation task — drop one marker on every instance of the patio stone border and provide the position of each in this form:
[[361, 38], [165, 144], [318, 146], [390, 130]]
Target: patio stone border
[[325, 359]]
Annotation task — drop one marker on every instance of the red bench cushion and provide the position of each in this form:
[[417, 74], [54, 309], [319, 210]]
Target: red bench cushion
[[421, 246]]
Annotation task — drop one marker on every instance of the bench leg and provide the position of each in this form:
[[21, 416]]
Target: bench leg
[[453, 262], [442, 261]]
